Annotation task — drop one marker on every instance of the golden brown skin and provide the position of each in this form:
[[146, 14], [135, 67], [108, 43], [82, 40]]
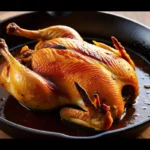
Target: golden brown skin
[[64, 67], [37, 93], [97, 78]]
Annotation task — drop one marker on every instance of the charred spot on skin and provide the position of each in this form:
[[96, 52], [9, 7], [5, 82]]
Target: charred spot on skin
[[22, 95], [61, 47], [113, 77]]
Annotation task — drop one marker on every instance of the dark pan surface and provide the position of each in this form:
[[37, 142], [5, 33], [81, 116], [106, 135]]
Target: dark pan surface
[[91, 25]]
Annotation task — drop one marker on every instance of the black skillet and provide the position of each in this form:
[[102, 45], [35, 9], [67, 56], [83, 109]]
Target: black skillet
[[91, 25]]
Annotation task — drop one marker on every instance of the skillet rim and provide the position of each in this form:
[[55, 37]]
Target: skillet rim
[[126, 18], [62, 135]]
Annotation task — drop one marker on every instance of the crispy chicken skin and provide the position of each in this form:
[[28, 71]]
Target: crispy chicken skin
[[115, 60], [36, 93], [95, 77]]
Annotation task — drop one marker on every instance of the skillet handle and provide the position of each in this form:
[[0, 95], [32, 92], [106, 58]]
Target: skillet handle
[[59, 13]]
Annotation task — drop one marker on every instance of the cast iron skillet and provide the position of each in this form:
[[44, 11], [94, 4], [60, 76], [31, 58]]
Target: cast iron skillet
[[93, 25]]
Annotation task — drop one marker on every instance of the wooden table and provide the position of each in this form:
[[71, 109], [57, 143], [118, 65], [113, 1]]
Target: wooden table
[[142, 17]]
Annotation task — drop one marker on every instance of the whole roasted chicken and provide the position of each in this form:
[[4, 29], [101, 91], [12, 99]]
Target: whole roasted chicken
[[67, 71]]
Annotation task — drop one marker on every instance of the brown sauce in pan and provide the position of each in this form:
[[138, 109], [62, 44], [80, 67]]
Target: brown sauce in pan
[[13, 111]]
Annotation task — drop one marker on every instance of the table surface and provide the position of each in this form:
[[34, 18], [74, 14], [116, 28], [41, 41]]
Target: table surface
[[142, 17]]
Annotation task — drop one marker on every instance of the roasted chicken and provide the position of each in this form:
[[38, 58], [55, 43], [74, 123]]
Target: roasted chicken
[[26, 86], [67, 71]]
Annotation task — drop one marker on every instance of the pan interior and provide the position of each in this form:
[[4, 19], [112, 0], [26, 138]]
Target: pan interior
[[11, 110]]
